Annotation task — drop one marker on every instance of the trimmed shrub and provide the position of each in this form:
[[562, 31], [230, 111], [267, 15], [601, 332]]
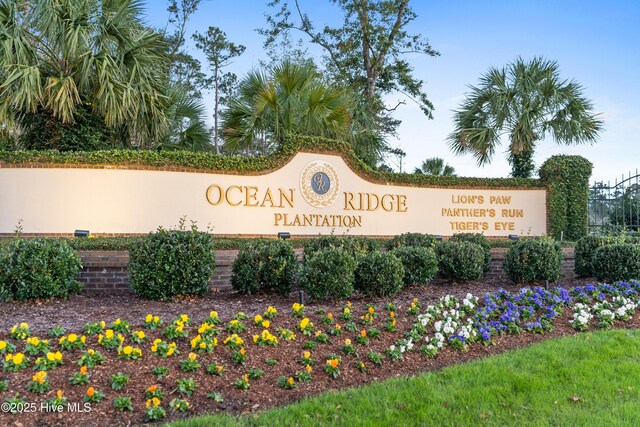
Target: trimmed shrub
[[172, 262], [265, 265], [356, 246], [420, 264], [537, 260], [328, 274], [379, 274], [460, 260], [587, 246], [412, 239], [617, 262], [39, 268], [478, 239]]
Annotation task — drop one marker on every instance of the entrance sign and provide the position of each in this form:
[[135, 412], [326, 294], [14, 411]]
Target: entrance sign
[[312, 194]]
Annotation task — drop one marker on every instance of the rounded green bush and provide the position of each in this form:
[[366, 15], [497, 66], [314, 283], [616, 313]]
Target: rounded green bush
[[617, 262], [420, 264], [355, 245], [265, 265], [460, 260], [39, 268], [478, 239], [412, 239], [587, 246], [328, 274], [379, 274], [172, 262], [538, 260]]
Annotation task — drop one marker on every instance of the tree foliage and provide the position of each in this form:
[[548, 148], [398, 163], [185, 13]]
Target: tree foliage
[[526, 101], [220, 52], [292, 99], [435, 166], [368, 53], [58, 57]]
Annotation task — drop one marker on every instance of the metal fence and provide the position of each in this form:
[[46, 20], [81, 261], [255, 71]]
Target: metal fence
[[614, 207]]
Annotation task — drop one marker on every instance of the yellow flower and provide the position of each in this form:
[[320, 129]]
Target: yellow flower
[[290, 380], [108, 333], [306, 354], [347, 310], [156, 319], [309, 368], [118, 321], [149, 318], [40, 377], [213, 314], [3, 345], [23, 325], [192, 356], [245, 378], [33, 341], [266, 324], [8, 357], [318, 333], [83, 339], [141, 335], [255, 338], [127, 350], [154, 348], [51, 356], [257, 319], [18, 358], [415, 300], [203, 345], [72, 338], [184, 318], [102, 324], [304, 323], [170, 351], [58, 355], [347, 342], [90, 351]]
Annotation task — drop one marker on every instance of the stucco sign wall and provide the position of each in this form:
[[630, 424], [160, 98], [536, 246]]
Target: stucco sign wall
[[312, 194]]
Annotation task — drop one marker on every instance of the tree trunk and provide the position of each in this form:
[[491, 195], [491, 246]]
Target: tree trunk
[[215, 111], [522, 165]]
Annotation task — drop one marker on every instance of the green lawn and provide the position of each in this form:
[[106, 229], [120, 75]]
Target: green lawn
[[532, 386]]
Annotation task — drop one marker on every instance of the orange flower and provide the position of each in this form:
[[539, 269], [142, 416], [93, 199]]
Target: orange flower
[[152, 389], [371, 310], [392, 314], [59, 394], [334, 363], [243, 351], [363, 333], [330, 315], [290, 380], [83, 370], [91, 391]]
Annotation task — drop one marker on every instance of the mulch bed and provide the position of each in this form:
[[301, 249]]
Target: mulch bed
[[75, 312]]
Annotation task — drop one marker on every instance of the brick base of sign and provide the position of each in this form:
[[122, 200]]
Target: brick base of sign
[[106, 271]]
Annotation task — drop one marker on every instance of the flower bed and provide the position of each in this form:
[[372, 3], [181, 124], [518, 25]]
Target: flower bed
[[120, 371]]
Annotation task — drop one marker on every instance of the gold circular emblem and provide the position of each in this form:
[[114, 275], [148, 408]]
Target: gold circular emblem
[[319, 184]]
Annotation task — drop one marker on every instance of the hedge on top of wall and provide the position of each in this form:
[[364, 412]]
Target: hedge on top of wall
[[209, 162], [567, 180]]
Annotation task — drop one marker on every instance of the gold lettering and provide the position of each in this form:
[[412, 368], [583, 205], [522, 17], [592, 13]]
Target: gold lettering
[[377, 199], [348, 202], [386, 204], [220, 196], [251, 194], [285, 197], [277, 218], [267, 196], [229, 199], [402, 203]]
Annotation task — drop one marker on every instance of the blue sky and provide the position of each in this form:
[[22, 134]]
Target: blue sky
[[594, 42]]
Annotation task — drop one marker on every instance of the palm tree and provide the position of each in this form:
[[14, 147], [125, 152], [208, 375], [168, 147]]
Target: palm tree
[[435, 166], [526, 101], [292, 99], [59, 56], [186, 129]]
